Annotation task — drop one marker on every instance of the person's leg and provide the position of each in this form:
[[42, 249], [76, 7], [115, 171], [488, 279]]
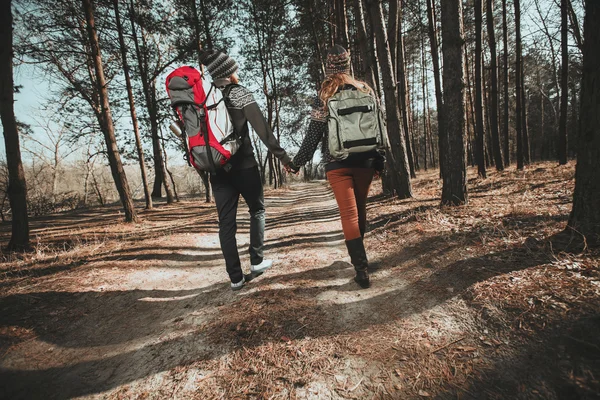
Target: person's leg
[[343, 186], [362, 183], [226, 199], [249, 184]]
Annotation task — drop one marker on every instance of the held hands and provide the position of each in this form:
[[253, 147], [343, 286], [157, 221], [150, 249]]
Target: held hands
[[291, 168]]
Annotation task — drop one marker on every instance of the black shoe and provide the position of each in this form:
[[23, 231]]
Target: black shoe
[[362, 278], [358, 257]]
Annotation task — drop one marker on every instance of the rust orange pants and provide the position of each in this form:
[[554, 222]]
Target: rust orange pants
[[351, 188]]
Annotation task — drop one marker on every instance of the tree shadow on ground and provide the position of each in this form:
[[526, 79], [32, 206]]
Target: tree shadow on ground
[[562, 362], [92, 319]]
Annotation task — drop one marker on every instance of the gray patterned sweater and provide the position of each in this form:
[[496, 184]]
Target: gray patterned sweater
[[243, 110]]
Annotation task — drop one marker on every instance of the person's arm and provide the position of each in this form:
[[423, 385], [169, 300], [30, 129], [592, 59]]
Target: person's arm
[[317, 128], [242, 98]]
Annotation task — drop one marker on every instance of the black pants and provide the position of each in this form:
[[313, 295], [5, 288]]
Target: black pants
[[227, 187]]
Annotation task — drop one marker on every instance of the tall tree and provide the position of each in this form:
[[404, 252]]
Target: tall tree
[[130, 98], [403, 94], [442, 133], [454, 189], [544, 17], [400, 169], [17, 187], [505, 116], [369, 66], [342, 24], [105, 117], [198, 46], [524, 119], [148, 75], [518, 84], [585, 216], [564, 84], [479, 127], [493, 114]]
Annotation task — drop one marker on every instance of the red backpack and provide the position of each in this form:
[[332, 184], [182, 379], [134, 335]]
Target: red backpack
[[200, 108]]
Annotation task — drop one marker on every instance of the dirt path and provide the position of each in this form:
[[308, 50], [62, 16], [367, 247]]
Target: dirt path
[[113, 322], [146, 311]]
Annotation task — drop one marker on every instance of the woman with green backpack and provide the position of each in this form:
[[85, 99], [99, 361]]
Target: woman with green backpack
[[346, 121]]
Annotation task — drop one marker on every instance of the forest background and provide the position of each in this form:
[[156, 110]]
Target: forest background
[[97, 71]]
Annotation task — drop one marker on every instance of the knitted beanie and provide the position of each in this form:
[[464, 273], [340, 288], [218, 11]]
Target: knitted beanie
[[338, 61], [219, 64]]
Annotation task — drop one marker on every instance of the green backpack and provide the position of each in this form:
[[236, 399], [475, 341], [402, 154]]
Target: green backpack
[[355, 124]]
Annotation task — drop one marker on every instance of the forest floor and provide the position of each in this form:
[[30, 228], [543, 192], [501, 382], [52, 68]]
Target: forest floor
[[479, 301]]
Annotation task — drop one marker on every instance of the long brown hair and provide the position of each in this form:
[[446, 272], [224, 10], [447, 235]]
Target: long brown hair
[[332, 83]]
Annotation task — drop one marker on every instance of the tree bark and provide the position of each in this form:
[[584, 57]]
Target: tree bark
[[315, 38], [367, 61], [17, 186], [493, 114], [342, 24], [400, 169], [555, 73], [393, 31], [585, 216], [442, 133], [203, 174], [564, 85], [424, 90], [403, 96], [518, 84], [470, 120], [505, 117], [479, 127], [134, 120], [524, 121], [454, 189], [149, 89], [106, 122]]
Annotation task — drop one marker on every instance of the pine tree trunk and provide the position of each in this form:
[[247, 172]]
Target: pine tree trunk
[[367, 62], [403, 96], [342, 24], [149, 89], [442, 133], [17, 187], [424, 94], [524, 120], [134, 121], [394, 32], [564, 86], [470, 122], [493, 114], [479, 127], [317, 43], [518, 95], [585, 216], [205, 22], [106, 122], [505, 117], [400, 169], [454, 190]]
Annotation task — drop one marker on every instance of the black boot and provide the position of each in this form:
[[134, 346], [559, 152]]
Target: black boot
[[358, 256]]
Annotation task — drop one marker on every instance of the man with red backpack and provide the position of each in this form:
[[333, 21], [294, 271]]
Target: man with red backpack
[[242, 177]]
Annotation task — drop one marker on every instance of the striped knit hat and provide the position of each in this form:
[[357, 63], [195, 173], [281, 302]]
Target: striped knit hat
[[219, 64], [338, 61]]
